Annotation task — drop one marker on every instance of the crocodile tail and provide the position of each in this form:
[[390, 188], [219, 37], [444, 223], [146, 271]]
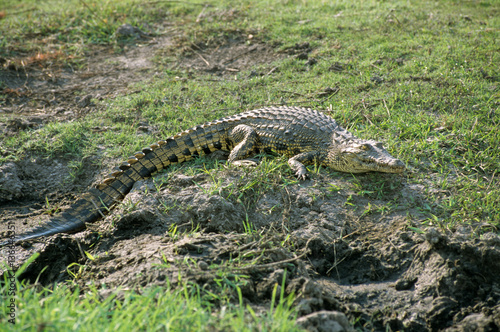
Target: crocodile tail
[[68, 221], [98, 201]]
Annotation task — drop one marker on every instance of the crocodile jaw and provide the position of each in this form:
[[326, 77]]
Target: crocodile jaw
[[365, 156]]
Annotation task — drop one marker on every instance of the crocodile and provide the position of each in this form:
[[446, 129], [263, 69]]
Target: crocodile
[[304, 135]]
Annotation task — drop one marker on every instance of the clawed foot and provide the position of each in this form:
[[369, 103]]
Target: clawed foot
[[301, 175]]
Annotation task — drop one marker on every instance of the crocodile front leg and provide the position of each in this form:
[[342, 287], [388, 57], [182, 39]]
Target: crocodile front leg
[[297, 163]]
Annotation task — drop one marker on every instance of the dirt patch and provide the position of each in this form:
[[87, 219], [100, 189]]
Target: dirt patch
[[337, 258], [342, 251], [45, 89]]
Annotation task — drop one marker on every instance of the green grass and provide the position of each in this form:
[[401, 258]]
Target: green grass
[[70, 26], [423, 77], [185, 308]]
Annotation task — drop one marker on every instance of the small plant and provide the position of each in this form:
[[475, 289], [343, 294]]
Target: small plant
[[248, 226], [349, 201], [75, 270], [129, 206], [49, 209], [168, 207]]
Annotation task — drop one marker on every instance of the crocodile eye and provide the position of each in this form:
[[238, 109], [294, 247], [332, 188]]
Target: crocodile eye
[[365, 147]]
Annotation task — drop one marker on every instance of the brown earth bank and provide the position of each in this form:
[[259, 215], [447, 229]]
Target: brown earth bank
[[336, 249]]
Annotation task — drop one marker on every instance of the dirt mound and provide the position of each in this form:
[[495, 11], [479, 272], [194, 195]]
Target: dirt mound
[[337, 258]]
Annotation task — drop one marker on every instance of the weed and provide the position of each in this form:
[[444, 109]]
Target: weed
[[248, 226]]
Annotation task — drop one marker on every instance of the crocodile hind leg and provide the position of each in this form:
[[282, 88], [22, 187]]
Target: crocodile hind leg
[[245, 139]]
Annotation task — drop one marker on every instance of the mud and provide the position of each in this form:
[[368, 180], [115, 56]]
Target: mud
[[349, 256]]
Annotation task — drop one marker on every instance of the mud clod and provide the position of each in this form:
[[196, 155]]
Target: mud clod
[[325, 321], [10, 184]]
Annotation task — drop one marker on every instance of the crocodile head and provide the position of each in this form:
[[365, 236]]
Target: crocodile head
[[365, 156]]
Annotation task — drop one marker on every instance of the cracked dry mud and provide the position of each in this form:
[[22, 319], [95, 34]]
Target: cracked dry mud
[[338, 258]]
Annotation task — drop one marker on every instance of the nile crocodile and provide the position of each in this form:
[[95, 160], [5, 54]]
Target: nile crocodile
[[304, 135]]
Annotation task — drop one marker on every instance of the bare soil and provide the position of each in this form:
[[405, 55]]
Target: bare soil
[[338, 257]]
